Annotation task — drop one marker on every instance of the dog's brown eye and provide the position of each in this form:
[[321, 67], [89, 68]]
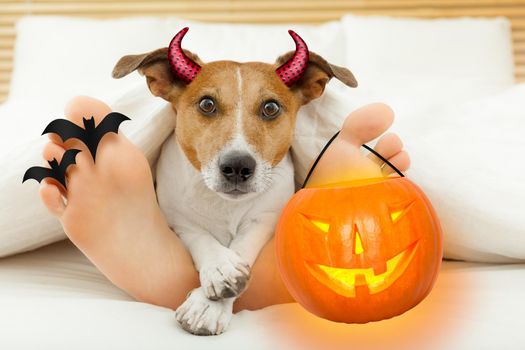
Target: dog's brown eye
[[270, 109], [207, 105]]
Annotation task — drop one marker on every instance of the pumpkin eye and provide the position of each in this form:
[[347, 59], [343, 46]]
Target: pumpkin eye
[[398, 211], [395, 215], [323, 226]]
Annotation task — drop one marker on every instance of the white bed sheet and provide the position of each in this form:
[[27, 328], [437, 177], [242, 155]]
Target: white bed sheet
[[54, 298]]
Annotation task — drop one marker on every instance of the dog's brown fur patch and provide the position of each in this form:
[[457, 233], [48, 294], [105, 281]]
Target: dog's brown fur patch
[[270, 138]]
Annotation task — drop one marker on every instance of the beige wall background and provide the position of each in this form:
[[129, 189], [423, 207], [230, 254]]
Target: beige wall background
[[256, 11]]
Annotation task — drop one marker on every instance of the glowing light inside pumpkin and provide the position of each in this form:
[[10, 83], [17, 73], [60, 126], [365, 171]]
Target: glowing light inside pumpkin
[[323, 226], [395, 215], [358, 245], [343, 281]]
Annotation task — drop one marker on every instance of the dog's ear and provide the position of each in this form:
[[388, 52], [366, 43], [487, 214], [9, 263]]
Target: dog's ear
[[317, 75], [157, 70]]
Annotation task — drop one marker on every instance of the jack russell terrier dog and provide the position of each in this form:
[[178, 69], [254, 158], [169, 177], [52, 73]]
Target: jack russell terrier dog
[[225, 174]]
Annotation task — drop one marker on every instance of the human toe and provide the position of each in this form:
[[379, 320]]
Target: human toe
[[401, 161], [367, 123], [52, 198]]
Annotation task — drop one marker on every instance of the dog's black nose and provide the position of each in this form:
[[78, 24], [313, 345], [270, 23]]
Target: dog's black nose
[[237, 167]]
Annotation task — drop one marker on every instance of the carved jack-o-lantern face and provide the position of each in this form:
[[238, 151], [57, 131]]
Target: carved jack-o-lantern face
[[363, 252]]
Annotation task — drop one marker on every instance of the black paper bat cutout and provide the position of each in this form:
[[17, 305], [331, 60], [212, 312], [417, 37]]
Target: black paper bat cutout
[[57, 171], [89, 135]]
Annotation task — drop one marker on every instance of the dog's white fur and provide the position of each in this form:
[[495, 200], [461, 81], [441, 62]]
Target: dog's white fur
[[224, 235]]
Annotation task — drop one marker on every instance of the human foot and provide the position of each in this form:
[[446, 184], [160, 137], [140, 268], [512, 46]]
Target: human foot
[[111, 212], [343, 160]]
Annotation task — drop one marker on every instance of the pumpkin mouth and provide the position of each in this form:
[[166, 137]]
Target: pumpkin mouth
[[344, 281]]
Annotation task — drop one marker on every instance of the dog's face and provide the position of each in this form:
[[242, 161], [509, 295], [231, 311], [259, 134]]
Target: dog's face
[[235, 121]]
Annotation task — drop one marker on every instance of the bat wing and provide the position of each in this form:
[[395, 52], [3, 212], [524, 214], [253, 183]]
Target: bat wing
[[65, 129], [110, 123], [67, 159], [38, 173]]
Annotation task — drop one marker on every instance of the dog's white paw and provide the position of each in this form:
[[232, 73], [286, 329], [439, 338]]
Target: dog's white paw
[[226, 276], [202, 316]]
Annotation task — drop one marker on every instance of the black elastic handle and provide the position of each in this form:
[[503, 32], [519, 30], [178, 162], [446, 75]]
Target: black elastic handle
[[326, 147]]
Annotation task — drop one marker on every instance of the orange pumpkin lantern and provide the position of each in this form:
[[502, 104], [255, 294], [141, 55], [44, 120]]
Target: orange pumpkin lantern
[[359, 252]]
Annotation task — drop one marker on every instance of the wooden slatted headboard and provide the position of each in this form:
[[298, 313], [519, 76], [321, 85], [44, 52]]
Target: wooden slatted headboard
[[257, 11]]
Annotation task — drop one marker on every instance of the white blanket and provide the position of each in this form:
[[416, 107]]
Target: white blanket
[[466, 157], [54, 298], [437, 75]]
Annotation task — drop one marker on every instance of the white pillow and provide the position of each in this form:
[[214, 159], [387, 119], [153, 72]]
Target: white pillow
[[417, 64], [468, 158], [60, 57]]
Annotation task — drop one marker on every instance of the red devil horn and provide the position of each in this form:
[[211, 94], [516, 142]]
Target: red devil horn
[[293, 69], [183, 66]]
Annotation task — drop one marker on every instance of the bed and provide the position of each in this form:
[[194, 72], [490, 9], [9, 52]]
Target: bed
[[52, 297]]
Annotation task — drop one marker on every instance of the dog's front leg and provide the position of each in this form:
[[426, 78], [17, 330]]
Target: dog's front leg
[[208, 309], [222, 272], [253, 235]]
